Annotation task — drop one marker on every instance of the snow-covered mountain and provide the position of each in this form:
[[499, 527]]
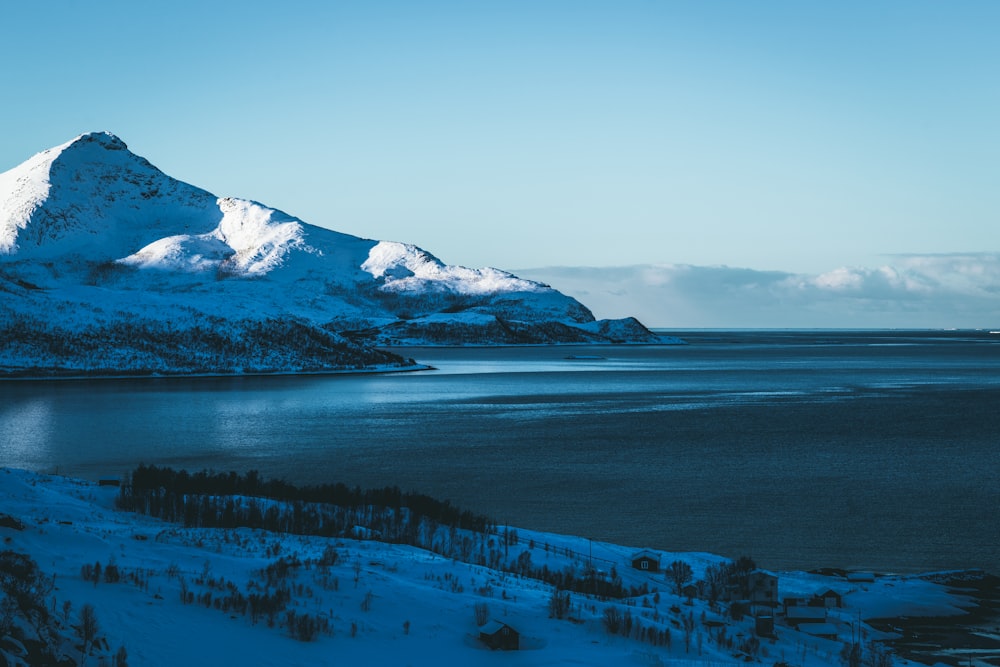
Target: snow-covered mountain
[[108, 265]]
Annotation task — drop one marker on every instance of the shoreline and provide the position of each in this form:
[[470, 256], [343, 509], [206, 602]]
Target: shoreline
[[146, 375], [30, 375], [969, 638]]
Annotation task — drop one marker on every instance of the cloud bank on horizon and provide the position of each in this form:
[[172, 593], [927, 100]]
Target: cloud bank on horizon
[[954, 290]]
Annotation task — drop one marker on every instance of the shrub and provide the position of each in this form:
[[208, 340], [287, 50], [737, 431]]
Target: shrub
[[613, 620]]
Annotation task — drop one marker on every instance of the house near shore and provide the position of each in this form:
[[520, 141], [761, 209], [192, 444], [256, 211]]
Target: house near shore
[[499, 636], [762, 588], [794, 602], [646, 560], [800, 615], [828, 598], [821, 630]]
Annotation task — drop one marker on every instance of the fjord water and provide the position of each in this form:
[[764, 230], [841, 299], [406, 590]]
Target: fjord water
[[858, 449]]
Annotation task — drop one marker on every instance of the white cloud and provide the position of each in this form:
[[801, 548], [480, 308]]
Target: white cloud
[[919, 291]]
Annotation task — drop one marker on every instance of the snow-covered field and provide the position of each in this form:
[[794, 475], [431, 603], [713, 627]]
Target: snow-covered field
[[374, 603]]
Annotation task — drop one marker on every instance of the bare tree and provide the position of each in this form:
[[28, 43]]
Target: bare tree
[[716, 581], [877, 656], [688, 630], [8, 613], [482, 612], [25, 589], [559, 604], [88, 628], [680, 573]]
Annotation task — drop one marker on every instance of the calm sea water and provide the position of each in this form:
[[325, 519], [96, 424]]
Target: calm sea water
[[875, 450]]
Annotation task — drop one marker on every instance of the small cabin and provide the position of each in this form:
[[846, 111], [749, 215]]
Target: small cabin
[[499, 636], [828, 598], [764, 625], [647, 561]]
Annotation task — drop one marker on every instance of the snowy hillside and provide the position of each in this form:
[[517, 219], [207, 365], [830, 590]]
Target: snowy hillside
[[165, 594], [97, 243]]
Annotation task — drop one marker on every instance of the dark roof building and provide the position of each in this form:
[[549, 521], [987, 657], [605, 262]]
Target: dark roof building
[[822, 630], [500, 636], [646, 560], [828, 598], [764, 625], [796, 616]]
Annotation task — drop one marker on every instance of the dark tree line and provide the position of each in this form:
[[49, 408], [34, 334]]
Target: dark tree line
[[229, 500], [197, 344], [200, 500]]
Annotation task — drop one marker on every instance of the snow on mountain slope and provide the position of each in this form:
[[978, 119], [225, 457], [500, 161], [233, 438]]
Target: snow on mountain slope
[[91, 195], [94, 238], [250, 240], [405, 267]]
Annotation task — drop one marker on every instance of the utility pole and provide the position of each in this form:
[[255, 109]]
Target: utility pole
[[593, 574], [506, 541]]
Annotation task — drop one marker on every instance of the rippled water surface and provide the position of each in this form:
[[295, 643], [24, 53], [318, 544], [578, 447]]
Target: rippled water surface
[[873, 450]]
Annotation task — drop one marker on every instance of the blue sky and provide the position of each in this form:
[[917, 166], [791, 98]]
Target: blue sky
[[754, 138]]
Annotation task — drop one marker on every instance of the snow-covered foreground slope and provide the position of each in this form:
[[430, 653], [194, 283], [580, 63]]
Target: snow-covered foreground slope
[[381, 604], [94, 238]]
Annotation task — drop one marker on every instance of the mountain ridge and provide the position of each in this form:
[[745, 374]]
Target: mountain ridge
[[94, 238]]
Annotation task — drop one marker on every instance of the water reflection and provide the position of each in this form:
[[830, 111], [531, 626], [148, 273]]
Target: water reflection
[[25, 430], [800, 454]]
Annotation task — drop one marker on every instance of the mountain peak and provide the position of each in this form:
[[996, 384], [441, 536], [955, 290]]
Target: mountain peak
[[95, 148], [94, 197], [105, 139]]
